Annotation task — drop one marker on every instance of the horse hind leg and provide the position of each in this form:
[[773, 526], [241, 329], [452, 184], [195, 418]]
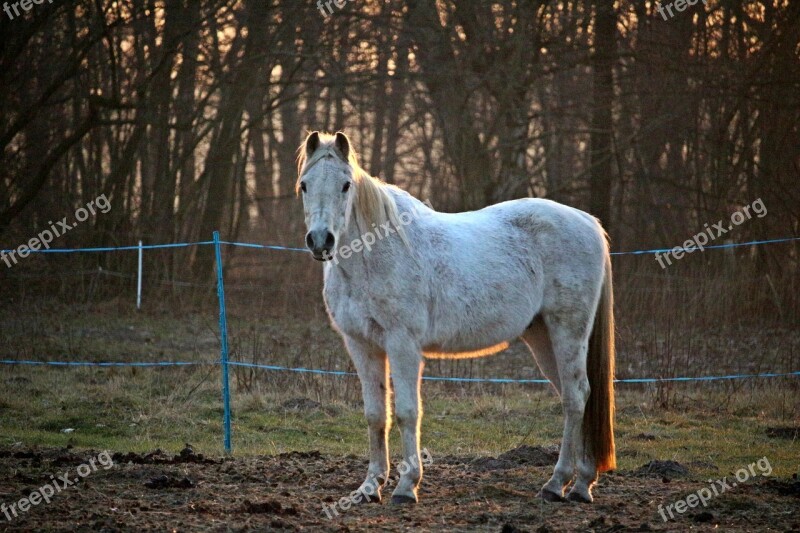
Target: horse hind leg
[[569, 347], [537, 338]]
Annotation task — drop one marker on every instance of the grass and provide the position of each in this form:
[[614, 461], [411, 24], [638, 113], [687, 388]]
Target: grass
[[718, 427], [141, 410]]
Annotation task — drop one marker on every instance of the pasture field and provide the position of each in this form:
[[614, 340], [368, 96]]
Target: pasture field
[[300, 440]]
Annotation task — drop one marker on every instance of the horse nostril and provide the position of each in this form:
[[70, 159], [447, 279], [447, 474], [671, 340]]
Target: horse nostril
[[309, 241], [330, 240]]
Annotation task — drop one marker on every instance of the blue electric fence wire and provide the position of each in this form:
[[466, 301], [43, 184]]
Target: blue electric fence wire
[[509, 380], [114, 248], [100, 363], [289, 369], [265, 246], [291, 249], [303, 370], [713, 246]]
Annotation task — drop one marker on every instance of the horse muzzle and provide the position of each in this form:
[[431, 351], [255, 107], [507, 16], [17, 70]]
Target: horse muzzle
[[321, 242]]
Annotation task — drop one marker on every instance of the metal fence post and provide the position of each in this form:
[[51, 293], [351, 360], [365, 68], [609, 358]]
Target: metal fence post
[[223, 330]]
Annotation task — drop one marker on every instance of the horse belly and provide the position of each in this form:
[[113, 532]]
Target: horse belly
[[482, 327]]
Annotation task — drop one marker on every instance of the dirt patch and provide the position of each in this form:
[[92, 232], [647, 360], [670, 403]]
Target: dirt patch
[[520, 456], [158, 457], [484, 464], [169, 482], [268, 507], [785, 488], [664, 469], [531, 455], [287, 492], [791, 433]]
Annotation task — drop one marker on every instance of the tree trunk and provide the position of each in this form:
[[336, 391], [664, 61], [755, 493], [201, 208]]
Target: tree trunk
[[448, 90], [600, 158]]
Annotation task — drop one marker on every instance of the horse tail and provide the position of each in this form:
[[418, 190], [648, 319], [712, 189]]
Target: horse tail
[[598, 418]]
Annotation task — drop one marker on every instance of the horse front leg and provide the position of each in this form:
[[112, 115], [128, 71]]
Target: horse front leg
[[405, 360], [371, 366]]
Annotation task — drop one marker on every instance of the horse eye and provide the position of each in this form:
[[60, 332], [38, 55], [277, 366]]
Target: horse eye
[[303, 186], [346, 187]]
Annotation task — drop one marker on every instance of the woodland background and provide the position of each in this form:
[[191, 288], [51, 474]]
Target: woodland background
[[188, 114]]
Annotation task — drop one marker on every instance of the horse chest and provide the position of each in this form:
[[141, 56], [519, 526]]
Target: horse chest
[[351, 308]]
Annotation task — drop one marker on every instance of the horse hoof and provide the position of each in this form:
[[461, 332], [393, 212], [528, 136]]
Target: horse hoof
[[575, 496], [401, 499], [550, 496], [371, 498]]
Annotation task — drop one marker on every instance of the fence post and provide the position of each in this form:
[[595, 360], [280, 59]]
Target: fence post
[[223, 331], [139, 280]]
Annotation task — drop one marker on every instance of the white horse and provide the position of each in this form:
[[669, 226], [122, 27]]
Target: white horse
[[404, 282]]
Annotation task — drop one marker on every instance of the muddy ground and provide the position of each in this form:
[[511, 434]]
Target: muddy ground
[[188, 492]]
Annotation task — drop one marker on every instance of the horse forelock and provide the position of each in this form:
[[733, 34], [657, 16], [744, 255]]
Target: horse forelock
[[373, 204]]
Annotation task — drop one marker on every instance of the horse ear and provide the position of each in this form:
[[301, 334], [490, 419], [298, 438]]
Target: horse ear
[[312, 143], [342, 143]]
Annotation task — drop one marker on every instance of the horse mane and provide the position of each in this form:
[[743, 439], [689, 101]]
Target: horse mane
[[373, 203]]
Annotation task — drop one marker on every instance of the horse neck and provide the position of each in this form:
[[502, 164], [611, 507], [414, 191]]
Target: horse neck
[[358, 264]]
